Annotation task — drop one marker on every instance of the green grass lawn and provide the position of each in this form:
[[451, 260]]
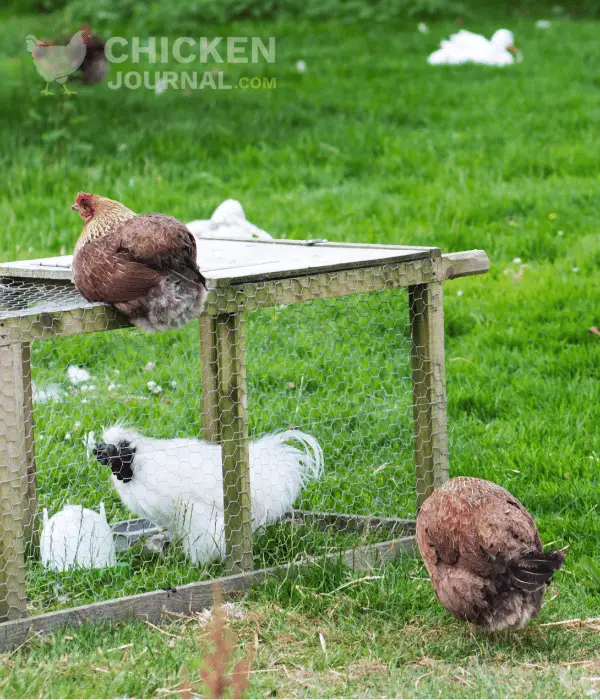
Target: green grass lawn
[[370, 144]]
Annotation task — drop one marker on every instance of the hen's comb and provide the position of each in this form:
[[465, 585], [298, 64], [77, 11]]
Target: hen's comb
[[83, 198]]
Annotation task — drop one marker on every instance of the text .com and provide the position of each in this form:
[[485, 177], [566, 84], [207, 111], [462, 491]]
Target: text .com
[[172, 80]]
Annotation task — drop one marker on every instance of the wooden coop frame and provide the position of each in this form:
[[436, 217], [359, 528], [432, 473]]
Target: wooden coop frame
[[242, 276]]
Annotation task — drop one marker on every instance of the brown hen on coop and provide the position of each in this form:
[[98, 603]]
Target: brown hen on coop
[[145, 265]]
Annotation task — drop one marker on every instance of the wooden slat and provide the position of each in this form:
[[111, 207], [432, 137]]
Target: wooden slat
[[429, 387], [14, 497], [233, 435], [55, 269], [343, 522], [464, 264], [312, 242], [192, 597], [31, 529]]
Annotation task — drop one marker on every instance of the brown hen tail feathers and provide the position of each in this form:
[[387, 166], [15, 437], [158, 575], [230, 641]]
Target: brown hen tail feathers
[[535, 570]]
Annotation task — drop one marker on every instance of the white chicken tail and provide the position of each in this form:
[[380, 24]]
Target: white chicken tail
[[279, 471], [312, 459]]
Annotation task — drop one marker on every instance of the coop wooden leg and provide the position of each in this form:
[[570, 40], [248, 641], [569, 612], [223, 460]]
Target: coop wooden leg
[[31, 530], [210, 378], [429, 387], [233, 425], [14, 497]]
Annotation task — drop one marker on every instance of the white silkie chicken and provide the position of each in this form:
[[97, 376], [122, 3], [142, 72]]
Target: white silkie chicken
[[178, 484], [228, 221], [77, 537], [467, 47]]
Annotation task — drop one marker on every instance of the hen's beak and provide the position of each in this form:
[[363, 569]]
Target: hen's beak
[[515, 52], [75, 207]]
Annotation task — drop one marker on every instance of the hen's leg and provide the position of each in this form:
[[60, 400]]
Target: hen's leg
[[45, 91]]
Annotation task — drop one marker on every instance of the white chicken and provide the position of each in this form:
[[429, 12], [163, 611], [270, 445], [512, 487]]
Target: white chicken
[[77, 537], [467, 47], [178, 484], [228, 221]]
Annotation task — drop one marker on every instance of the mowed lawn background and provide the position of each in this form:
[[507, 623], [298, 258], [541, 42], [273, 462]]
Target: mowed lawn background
[[372, 145]]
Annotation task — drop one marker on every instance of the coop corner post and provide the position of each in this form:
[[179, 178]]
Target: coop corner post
[[15, 451], [233, 435], [429, 386], [30, 525]]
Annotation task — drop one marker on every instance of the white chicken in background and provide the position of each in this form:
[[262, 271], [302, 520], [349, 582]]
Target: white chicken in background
[[77, 537], [467, 47], [228, 221], [178, 484]]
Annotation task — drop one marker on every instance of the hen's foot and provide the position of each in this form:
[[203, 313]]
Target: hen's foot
[[45, 91], [66, 90]]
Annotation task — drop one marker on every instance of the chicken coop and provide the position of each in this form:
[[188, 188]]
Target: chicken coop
[[302, 416]]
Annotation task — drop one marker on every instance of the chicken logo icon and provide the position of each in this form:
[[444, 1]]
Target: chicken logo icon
[[56, 63]]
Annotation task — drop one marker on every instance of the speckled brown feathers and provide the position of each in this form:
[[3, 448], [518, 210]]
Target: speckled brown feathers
[[144, 265], [483, 553]]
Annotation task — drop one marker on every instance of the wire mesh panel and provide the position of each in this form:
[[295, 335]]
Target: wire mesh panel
[[123, 384], [306, 417], [339, 371]]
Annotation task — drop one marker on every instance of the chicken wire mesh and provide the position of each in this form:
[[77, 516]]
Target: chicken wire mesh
[[150, 451]]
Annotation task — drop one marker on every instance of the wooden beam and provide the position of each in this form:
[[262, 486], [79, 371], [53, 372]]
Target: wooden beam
[[28, 325], [464, 264], [233, 432], [429, 387], [192, 597], [362, 524], [31, 525], [14, 497], [250, 296], [210, 378]]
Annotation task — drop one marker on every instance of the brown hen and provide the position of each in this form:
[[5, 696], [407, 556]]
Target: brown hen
[[144, 265], [484, 555]]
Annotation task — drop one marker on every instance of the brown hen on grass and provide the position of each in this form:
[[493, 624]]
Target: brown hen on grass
[[484, 555]]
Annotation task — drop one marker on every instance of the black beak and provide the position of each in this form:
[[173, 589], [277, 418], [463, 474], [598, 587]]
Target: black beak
[[103, 452]]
